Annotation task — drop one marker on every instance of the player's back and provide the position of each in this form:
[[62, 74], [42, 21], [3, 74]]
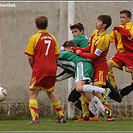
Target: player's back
[[44, 57]]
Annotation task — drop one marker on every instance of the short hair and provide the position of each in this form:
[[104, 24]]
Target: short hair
[[129, 14], [41, 22], [79, 26], [106, 19], [68, 44]]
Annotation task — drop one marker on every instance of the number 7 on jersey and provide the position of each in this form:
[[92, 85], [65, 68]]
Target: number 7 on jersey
[[47, 42]]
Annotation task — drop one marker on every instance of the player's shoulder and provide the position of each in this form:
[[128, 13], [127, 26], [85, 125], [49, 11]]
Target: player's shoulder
[[95, 32], [107, 36], [34, 36], [54, 38]]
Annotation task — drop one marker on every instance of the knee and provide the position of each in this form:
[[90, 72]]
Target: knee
[[78, 89], [72, 98]]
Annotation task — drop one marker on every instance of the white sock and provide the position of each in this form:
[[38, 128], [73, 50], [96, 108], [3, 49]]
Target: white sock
[[97, 103], [93, 89], [93, 109]]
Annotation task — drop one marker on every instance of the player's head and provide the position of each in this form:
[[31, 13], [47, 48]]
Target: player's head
[[68, 44], [125, 16], [77, 29], [103, 21], [41, 22]]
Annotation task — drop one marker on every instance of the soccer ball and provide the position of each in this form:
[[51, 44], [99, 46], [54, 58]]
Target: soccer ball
[[3, 94]]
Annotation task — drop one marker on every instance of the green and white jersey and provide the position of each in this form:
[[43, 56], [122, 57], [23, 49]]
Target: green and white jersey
[[68, 66], [81, 41], [83, 68], [69, 56]]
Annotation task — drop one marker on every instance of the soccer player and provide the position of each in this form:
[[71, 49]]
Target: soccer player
[[42, 51], [81, 41], [69, 66], [123, 37], [97, 51], [83, 76]]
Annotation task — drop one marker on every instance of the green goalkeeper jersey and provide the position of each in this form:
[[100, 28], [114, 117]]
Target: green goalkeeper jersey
[[87, 69], [81, 41], [69, 56]]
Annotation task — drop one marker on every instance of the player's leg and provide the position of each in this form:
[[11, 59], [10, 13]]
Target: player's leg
[[84, 74], [95, 100], [100, 80], [57, 106], [85, 110], [128, 61], [74, 97], [49, 88], [126, 90], [33, 106], [94, 111], [97, 103], [113, 92], [116, 61], [111, 77], [33, 103]]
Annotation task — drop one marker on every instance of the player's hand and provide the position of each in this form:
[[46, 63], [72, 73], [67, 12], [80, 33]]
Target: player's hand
[[74, 23], [78, 51], [89, 40], [73, 49], [116, 28]]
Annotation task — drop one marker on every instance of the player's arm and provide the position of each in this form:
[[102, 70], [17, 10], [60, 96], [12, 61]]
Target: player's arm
[[63, 75], [93, 56], [57, 57], [31, 61], [124, 31], [57, 53], [102, 45], [112, 36], [86, 49], [30, 50]]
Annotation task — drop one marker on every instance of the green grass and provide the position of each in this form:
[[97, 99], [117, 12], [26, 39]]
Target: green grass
[[49, 124]]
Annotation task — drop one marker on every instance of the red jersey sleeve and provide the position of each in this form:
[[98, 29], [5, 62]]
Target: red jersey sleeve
[[87, 49], [86, 55], [123, 31]]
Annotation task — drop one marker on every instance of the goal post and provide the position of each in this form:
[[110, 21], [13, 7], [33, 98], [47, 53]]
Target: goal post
[[71, 18], [67, 17]]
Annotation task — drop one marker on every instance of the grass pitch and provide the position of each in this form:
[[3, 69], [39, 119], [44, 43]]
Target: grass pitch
[[49, 124]]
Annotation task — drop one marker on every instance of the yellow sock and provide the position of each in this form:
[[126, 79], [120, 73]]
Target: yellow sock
[[112, 79], [84, 104], [106, 105], [33, 106], [58, 109]]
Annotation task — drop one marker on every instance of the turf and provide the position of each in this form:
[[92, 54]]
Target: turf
[[49, 124]]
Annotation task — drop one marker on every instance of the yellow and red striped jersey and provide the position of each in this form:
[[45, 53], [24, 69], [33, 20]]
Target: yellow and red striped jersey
[[123, 37], [44, 48], [100, 41]]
